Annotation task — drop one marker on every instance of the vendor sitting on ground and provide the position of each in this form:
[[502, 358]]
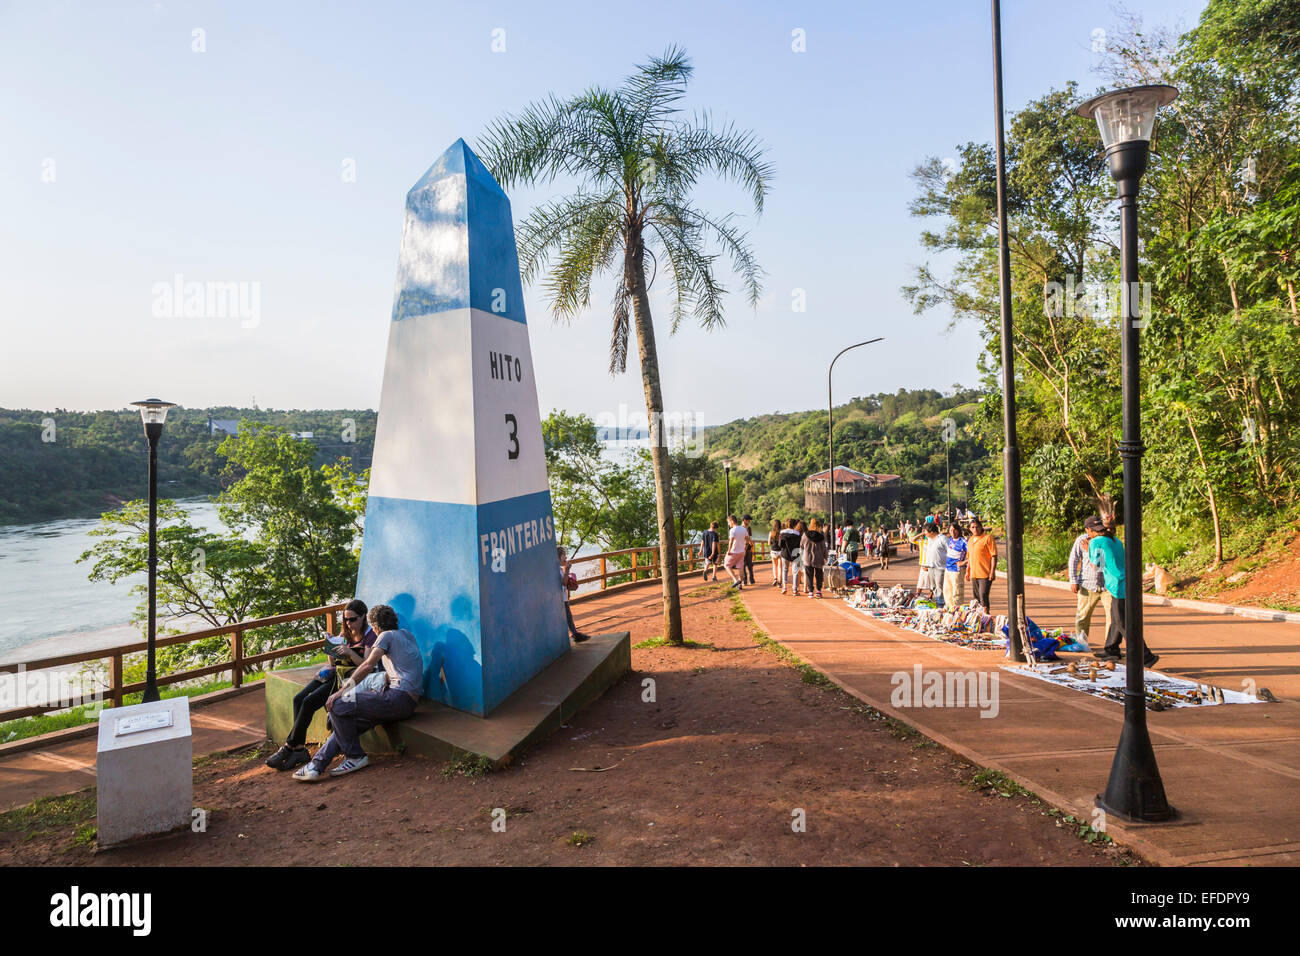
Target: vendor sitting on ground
[[354, 709]]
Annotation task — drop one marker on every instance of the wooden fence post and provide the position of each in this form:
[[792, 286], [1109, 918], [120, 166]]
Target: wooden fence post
[[635, 576], [237, 657], [603, 581], [115, 688]]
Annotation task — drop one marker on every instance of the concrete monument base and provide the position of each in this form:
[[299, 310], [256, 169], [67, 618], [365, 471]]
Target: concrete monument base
[[529, 715], [145, 769]]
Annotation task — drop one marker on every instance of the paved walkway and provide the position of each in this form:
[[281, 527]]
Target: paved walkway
[[69, 764], [1233, 772]]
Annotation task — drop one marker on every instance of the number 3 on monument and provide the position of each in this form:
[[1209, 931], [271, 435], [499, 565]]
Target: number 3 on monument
[[513, 453]]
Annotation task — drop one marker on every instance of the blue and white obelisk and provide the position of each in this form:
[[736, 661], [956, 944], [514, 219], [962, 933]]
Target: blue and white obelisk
[[459, 536]]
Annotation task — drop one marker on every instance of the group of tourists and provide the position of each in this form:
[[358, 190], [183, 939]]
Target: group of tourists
[[949, 558], [875, 542], [739, 559]]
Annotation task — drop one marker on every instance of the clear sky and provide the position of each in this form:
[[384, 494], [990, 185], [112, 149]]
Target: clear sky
[[279, 157]]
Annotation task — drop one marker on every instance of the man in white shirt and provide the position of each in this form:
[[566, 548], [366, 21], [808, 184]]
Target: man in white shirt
[[735, 561], [935, 556]]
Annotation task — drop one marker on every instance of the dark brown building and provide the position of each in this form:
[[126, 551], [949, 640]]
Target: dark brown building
[[854, 491]]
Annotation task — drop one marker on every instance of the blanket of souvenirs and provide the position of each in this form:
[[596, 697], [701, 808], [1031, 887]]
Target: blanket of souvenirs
[[971, 626]]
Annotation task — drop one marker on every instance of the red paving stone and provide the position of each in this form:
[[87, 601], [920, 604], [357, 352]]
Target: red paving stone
[[1233, 772]]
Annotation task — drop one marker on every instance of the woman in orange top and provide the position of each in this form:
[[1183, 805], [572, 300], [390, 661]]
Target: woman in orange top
[[981, 562]]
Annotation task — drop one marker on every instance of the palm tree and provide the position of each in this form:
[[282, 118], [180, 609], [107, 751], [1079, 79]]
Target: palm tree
[[635, 160]]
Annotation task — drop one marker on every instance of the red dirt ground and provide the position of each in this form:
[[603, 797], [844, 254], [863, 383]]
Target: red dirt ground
[[710, 773]]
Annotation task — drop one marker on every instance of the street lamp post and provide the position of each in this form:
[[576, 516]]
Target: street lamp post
[[830, 424], [153, 413], [1011, 449], [947, 471], [726, 471], [1126, 119]]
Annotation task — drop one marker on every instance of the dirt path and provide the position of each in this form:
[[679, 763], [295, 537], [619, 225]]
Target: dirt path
[[712, 772]]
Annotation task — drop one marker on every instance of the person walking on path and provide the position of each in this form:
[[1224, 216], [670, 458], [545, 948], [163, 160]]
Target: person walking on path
[[737, 538], [789, 543], [981, 563], [709, 550], [748, 576], [1086, 580], [1107, 552], [774, 550], [814, 547], [954, 569], [883, 548]]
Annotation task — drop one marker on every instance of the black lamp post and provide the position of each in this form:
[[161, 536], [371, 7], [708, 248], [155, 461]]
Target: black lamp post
[[1126, 119], [830, 424], [947, 471], [153, 412], [1011, 449], [726, 472]]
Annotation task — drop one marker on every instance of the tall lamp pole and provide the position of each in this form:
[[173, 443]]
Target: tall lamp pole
[[1011, 450], [153, 413], [1126, 119], [830, 423], [726, 471]]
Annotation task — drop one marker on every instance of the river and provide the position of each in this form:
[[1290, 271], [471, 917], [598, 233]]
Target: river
[[48, 604]]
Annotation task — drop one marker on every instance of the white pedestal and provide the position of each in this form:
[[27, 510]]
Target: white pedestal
[[145, 770]]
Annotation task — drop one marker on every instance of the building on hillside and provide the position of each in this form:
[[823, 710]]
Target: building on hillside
[[854, 491], [222, 426]]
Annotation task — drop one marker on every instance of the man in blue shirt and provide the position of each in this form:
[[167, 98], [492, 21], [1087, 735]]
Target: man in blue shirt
[[1107, 553], [954, 568], [709, 550]]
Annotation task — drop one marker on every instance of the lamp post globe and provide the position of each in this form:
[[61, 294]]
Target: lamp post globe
[[1126, 120], [153, 412]]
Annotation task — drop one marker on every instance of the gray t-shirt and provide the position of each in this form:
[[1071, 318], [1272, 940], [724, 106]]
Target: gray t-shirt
[[403, 661]]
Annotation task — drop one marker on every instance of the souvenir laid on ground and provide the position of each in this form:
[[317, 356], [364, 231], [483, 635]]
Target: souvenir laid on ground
[[965, 626], [1162, 691]]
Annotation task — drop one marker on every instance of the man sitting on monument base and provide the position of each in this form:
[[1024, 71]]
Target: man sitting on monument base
[[374, 694]]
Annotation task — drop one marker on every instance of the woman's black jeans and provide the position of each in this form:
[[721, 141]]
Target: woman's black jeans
[[305, 704]]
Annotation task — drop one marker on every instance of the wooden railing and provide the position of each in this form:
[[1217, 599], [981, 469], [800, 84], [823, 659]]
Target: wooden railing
[[238, 664], [644, 562]]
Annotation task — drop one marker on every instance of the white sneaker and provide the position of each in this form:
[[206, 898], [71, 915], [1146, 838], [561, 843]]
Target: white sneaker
[[349, 765], [308, 773]]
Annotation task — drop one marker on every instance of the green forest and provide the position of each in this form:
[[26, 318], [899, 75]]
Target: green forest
[[63, 463]]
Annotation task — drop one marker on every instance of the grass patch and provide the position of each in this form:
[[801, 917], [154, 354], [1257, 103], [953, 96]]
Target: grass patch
[[467, 765], [52, 813], [580, 838], [662, 641], [998, 782]]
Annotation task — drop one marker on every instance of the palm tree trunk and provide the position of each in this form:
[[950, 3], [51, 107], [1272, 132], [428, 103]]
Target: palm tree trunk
[[654, 404]]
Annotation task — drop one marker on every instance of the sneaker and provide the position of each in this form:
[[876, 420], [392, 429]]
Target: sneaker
[[1105, 655], [579, 637], [349, 765], [278, 759], [308, 773], [1150, 662]]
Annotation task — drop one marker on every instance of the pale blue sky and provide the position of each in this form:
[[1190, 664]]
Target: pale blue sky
[[227, 165]]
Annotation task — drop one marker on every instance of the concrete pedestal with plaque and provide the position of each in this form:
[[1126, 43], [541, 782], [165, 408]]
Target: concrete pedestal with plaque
[[145, 770]]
